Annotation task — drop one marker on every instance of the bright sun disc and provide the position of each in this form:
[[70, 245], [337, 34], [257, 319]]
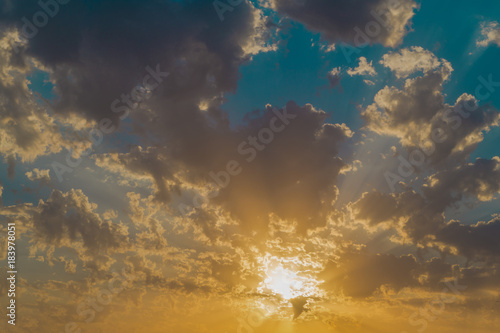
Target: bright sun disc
[[285, 282]]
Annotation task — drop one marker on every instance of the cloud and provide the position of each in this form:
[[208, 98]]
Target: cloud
[[364, 68], [480, 180], [479, 240], [361, 275], [418, 116], [490, 33], [274, 178], [150, 163], [184, 39], [410, 60], [376, 207], [334, 77], [293, 190], [421, 216], [69, 220], [282, 203], [27, 130], [43, 176], [338, 20]]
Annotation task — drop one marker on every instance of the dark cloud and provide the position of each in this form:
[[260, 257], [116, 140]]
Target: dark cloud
[[97, 50], [338, 20], [377, 207], [291, 176], [478, 240], [361, 275], [294, 177], [418, 115], [479, 180], [69, 217], [423, 214]]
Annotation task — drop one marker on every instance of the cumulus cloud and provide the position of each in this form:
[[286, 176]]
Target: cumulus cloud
[[282, 201], [342, 20], [293, 189], [477, 240], [364, 68], [42, 176], [480, 179], [360, 274], [490, 33], [418, 115], [410, 60], [139, 163], [185, 40], [27, 129], [421, 216], [69, 220]]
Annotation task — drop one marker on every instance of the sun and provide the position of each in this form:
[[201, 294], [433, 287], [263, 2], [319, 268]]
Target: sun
[[283, 278], [285, 283]]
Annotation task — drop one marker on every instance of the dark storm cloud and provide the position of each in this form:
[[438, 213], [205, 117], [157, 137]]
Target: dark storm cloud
[[480, 239], [424, 213], [98, 50], [70, 217], [293, 176], [479, 180], [339, 20], [376, 207]]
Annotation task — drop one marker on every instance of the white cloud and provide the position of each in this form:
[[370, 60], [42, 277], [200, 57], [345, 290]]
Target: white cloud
[[364, 68], [490, 33], [410, 60]]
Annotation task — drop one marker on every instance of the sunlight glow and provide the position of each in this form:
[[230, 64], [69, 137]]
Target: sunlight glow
[[283, 280]]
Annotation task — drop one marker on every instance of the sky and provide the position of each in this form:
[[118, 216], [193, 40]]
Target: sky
[[250, 166]]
